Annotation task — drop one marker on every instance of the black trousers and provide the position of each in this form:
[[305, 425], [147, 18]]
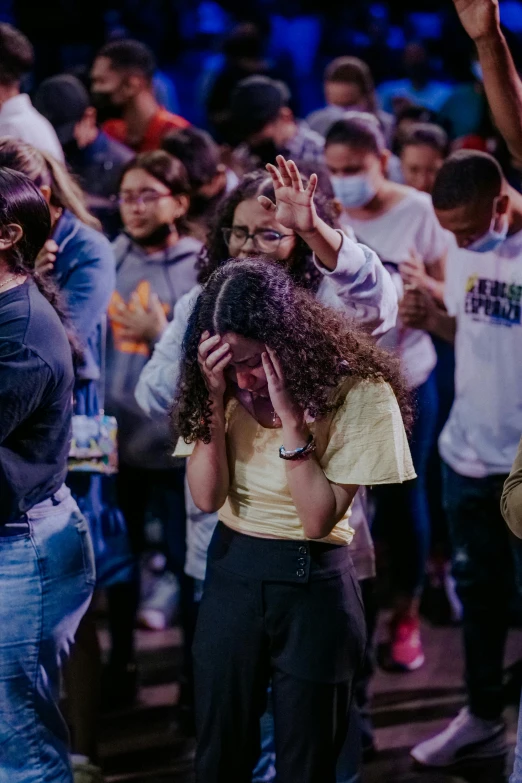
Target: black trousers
[[286, 611]]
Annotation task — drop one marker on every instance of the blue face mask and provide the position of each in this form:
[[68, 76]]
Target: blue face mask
[[491, 239], [353, 191]]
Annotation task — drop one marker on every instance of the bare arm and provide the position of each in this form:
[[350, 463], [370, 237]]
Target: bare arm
[[320, 503], [481, 20], [207, 467], [430, 277]]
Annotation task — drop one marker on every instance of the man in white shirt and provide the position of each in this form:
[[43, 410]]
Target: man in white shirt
[[483, 297], [18, 117]]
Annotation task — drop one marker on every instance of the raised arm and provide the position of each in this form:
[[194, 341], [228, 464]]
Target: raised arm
[[362, 283], [481, 20]]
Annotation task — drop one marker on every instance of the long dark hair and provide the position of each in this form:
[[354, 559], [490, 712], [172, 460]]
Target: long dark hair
[[43, 169], [22, 203], [258, 183], [317, 347]]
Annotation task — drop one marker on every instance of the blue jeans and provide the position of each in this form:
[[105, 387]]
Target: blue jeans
[[47, 578], [487, 565], [402, 515]]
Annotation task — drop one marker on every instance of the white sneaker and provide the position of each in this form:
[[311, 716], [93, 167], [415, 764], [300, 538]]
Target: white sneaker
[[157, 611], [84, 771], [466, 738]]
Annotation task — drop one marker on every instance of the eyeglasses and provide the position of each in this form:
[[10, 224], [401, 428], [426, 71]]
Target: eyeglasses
[[144, 198], [265, 240]]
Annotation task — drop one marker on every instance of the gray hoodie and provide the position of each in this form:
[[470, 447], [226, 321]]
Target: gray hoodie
[[170, 274]]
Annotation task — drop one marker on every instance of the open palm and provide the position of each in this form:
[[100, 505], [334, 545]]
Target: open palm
[[478, 17], [294, 204]]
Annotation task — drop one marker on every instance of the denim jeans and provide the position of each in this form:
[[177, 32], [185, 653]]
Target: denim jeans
[[402, 515], [487, 565], [47, 578]]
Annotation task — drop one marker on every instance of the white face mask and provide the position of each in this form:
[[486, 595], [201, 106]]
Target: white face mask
[[353, 191], [491, 239]]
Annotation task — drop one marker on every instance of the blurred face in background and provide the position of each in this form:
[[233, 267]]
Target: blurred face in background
[[420, 165], [147, 205], [356, 174], [347, 95]]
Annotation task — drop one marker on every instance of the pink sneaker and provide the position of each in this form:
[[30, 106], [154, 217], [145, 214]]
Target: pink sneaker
[[406, 651]]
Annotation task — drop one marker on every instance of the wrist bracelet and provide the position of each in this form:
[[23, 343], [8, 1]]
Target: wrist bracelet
[[301, 453]]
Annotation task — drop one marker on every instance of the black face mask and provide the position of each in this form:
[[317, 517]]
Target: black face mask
[[105, 108], [265, 152], [156, 238]]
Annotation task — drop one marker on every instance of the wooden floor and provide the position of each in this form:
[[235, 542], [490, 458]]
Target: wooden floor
[[144, 744]]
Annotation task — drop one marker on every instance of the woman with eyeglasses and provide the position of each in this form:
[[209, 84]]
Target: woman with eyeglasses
[[155, 267]]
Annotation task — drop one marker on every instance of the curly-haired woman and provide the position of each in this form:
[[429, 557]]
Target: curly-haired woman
[[265, 364], [298, 232]]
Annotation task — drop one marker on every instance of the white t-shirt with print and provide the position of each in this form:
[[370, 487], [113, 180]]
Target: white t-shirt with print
[[409, 224], [484, 292]]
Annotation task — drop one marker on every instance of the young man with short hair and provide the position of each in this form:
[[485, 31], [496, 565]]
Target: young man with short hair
[[483, 296], [123, 93]]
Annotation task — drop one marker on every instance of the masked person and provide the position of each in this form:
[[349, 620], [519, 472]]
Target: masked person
[[483, 297], [263, 125], [95, 158], [155, 267], [400, 225], [123, 93]]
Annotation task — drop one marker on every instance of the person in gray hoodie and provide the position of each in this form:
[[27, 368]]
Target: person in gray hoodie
[[155, 267]]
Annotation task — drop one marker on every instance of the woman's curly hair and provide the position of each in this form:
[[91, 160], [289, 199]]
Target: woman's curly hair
[[258, 183], [317, 347]]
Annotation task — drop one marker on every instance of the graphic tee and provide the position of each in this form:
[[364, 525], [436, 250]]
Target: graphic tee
[[484, 292]]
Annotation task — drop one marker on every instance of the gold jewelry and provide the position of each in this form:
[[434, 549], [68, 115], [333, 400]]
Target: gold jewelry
[[9, 280]]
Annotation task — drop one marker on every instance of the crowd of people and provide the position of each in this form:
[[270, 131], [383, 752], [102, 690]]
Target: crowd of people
[[236, 364]]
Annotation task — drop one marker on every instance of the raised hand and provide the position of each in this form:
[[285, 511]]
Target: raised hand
[[294, 206], [479, 18], [213, 358], [284, 406]]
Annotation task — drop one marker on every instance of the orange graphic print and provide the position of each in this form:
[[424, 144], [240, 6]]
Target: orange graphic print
[[124, 344]]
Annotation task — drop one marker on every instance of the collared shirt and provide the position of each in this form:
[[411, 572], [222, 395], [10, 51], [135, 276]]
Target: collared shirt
[[19, 118], [161, 123]]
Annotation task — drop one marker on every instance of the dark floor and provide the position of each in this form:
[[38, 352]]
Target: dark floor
[[144, 744]]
